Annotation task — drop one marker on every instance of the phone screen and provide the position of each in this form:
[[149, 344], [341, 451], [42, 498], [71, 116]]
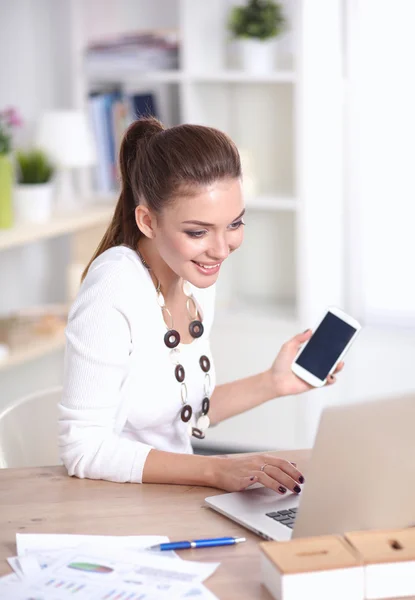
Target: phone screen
[[325, 346]]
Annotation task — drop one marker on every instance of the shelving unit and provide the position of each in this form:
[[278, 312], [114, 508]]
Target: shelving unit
[[84, 226], [93, 215]]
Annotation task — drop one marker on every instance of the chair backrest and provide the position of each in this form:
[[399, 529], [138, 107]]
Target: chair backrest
[[29, 431]]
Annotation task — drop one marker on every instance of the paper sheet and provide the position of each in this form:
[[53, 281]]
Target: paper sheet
[[40, 542], [91, 573], [38, 551]]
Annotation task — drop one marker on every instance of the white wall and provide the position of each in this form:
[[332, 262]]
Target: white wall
[[381, 94]]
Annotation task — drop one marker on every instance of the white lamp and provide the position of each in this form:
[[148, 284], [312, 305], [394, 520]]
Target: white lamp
[[66, 137]]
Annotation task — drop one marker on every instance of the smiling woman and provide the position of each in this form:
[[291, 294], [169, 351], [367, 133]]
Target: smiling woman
[[139, 375]]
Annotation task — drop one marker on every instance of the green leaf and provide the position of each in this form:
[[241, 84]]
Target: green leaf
[[259, 19], [33, 167]]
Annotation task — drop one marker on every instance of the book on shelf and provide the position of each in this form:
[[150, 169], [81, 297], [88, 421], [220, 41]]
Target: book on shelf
[[110, 113]]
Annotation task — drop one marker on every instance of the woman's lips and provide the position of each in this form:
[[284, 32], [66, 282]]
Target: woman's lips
[[207, 269]]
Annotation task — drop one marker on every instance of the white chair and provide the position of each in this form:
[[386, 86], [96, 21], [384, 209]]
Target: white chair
[[29, 431]]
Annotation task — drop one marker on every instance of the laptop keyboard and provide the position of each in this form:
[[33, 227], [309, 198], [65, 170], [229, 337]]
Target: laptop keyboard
[[285, 517]]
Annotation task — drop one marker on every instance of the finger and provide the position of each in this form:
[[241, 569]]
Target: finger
[[283, 479], [271, 483], [285, 466], [302, 337], [339, 367], [298, 339], [331, 379]]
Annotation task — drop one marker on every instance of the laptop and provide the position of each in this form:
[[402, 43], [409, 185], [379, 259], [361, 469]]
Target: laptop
[[361, 476]]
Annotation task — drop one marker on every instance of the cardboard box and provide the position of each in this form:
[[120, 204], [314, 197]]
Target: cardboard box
[[325, 567], [389, 562]]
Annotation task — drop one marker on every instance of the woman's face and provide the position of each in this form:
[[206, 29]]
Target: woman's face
[[195, 234]]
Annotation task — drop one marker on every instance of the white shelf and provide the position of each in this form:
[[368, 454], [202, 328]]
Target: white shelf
[[34, 350], [106, 73], [272, 204], [60, 224], [235, 76]]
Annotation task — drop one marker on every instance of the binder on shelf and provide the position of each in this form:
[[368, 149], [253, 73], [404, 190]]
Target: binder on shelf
[[103, 175], [143, 105], [110, 114]]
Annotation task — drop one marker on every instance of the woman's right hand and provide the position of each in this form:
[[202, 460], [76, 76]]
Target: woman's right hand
[[236, 473]]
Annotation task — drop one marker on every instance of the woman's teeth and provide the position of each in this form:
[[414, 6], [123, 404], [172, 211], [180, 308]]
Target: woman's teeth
[[207, 266]]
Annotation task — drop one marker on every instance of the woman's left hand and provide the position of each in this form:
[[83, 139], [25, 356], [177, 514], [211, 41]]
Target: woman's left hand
[[286, 382]]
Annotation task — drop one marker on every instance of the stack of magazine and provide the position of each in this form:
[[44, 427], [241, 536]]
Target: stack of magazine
[[142, 51]]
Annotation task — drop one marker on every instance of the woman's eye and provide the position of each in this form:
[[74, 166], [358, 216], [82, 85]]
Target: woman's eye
[[199, 234], [196, 234], [237, 225]]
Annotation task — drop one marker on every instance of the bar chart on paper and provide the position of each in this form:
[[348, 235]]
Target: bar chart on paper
[[70, 586]]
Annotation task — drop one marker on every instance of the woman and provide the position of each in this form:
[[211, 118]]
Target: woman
[[139, 377]]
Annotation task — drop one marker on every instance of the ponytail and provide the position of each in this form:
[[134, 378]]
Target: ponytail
[[123, 228]]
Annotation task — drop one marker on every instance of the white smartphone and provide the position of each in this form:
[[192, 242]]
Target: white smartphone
[[332, 338]]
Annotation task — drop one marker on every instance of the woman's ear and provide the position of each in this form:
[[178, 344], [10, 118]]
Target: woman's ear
[[145, 221]]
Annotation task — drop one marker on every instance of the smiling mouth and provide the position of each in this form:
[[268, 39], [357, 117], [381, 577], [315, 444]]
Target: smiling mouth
[[204, 266]]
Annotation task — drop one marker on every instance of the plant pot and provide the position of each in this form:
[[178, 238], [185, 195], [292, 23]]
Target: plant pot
[[33, 203], [257, 56], [6, 187]]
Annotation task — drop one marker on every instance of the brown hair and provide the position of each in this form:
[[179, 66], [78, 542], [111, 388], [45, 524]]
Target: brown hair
[[157, 164]]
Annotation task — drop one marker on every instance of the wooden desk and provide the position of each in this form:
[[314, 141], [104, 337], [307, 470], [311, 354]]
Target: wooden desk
[[46, 500]]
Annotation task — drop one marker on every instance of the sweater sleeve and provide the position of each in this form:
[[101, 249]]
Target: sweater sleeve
[[98, 348]]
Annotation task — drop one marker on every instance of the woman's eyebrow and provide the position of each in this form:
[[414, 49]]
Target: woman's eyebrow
[[203, 224]]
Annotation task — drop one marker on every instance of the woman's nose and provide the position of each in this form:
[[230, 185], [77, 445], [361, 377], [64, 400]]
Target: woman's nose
[[221, 248]]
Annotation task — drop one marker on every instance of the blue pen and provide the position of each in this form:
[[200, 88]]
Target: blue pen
[[225, 541]]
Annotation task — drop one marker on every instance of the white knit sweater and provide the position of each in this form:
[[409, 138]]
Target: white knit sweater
[[120, 396]]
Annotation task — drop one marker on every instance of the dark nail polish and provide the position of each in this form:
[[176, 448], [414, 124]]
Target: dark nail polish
[[301, 479], [282, 489], [252, 478], [297, 489]]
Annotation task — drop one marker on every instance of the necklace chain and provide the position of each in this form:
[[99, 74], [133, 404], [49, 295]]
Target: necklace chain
[[172, 341]]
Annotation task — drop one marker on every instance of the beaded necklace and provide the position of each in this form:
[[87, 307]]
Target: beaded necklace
[[172, 341]]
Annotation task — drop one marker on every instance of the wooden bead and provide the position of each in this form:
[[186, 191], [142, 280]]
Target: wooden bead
[[196, 329], [186, 413], [197, 433], [205, 406], [179, 373], [204, 364], [172, 338]]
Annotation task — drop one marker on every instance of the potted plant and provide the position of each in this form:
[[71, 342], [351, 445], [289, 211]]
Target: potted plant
[[256, 26], [9, 119], [33, 195]]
